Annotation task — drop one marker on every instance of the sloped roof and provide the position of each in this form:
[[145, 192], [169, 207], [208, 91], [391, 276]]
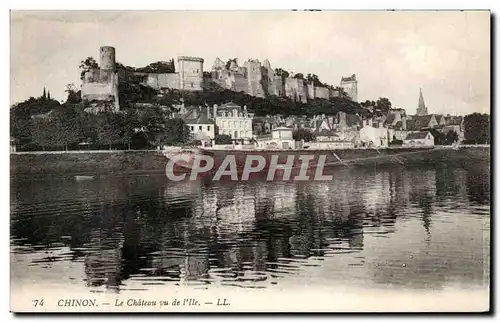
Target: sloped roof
[[197, 115], [439, 117], [418, 122], [325, 132], [417, 135], [454, 120], [229, 107]]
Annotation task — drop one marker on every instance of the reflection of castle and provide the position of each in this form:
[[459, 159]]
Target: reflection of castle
[[103, 258]]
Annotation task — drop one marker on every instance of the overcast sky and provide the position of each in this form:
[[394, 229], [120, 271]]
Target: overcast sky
[[393, 54]]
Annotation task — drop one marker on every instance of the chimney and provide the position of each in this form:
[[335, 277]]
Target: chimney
[[195, 113], [208, 112], [245, 108], [215, 110]]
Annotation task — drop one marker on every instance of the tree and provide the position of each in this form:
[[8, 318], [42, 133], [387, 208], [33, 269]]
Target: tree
[[477, 128], [439, 137], [451, 137], [231, 60], [131, 124], [74, 95], [303, 134], [383, 104], [223, 139], [176, 132], [281, 72], [68, 128], [43, 132], [86, 65], [341, 92], [299, 76], [314, 79], [109, 129], [152, 120]]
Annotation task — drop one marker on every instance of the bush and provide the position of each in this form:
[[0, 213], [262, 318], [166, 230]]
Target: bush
[[396, 142], [223, 139]]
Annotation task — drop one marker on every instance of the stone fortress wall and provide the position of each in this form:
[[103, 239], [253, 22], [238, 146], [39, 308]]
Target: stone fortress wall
[[260, 80], [254, 78], [101, 84]]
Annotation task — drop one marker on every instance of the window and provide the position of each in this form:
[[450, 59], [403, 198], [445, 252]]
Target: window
[[192, 128], [208, 128], [200, 128], [191, 84]]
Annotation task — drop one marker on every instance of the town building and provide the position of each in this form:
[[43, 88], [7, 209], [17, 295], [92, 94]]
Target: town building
[[370, 136], [233, 120], [419, 139], [280, 138], [200, 124]]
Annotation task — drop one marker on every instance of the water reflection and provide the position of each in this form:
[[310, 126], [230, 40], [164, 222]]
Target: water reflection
[[397, 228]]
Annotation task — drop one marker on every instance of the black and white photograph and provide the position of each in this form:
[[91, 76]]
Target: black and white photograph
[[250, 161]]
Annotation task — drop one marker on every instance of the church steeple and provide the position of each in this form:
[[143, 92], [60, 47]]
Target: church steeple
[[421, 109]]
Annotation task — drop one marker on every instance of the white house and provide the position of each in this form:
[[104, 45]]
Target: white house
[[424, 138], [280, 138], [370, 136], [201, 126], [233, 120]]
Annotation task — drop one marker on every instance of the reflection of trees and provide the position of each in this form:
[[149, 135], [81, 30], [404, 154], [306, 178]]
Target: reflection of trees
[[142, 226], [478, 184]]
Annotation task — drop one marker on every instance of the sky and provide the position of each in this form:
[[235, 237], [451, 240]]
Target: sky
[[392, 53]]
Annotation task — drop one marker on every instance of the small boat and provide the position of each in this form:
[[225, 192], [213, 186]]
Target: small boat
[[83, 178]]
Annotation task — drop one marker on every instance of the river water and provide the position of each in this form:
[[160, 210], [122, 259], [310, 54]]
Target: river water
[[399, 228]]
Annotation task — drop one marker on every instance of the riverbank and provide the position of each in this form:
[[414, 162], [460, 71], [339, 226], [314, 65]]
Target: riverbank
[[152, 161], [87, 162]]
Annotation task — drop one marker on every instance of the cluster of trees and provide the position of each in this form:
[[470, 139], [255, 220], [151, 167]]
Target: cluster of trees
[[477, 129], [43, 124], [159, 67], [383, 104], [441, 138], [270, 105], [303, 134]]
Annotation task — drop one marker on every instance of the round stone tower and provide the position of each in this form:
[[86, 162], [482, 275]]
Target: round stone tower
[[108, 59], [190, 73]]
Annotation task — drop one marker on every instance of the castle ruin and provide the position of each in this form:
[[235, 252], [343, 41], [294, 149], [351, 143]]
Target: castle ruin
[[253, 78], [101, 84], [350, 86]]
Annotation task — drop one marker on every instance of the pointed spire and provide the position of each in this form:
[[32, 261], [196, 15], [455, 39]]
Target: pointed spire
[[421, 102], [44, 95], [48, 95], [421, 109]]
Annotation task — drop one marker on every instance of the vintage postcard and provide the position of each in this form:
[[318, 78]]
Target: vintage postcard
[[250, 161]]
